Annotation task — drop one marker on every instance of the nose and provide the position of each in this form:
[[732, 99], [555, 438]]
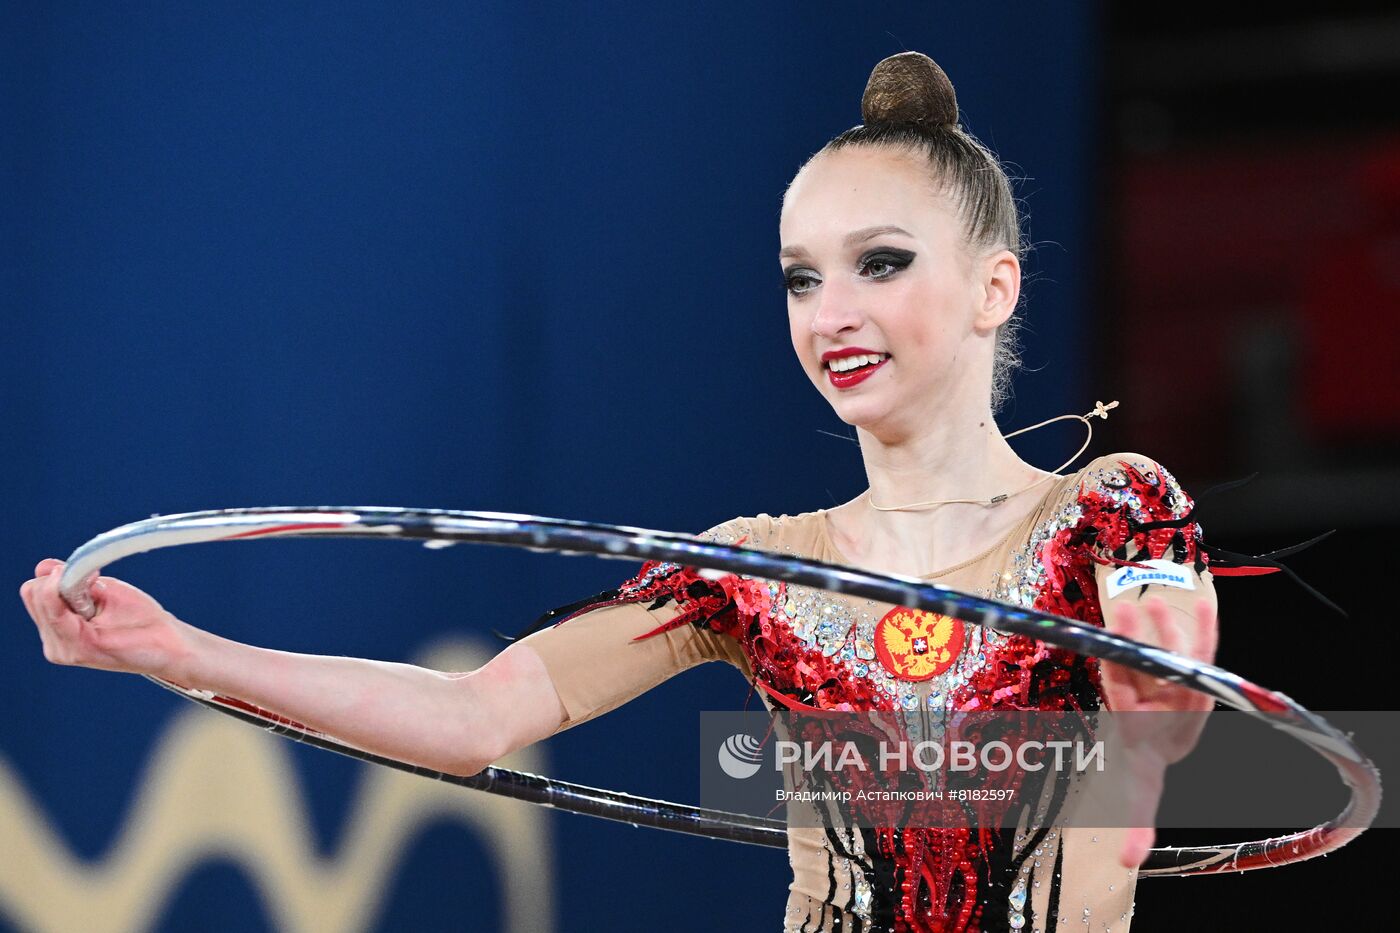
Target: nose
[[837, 312]]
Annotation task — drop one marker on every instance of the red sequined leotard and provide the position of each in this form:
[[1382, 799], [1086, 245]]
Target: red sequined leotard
[[809, 648]]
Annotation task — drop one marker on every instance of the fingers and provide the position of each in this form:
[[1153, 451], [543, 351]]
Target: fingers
[[53, 567], [59, 627], [51, 603], [1188, 639], [1195, 705], [1126, 687], [118, 594], [1156, 622], [1168, 636], [1137, 845], [26, 594], [1196, 639]]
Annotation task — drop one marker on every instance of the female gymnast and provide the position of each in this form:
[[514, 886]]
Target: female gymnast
[[901, 251]]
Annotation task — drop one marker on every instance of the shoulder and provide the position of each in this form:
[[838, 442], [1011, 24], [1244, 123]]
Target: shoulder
[[1128, 506], [768, 532], [1135, 483], [1123, 466]]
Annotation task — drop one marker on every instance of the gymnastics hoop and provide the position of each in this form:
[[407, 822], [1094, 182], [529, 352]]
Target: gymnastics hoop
[[441, 528]]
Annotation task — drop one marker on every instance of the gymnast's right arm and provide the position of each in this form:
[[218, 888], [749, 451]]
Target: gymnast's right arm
[[457, 723]]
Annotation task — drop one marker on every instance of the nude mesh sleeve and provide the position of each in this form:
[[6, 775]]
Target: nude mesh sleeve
[[597, 661]]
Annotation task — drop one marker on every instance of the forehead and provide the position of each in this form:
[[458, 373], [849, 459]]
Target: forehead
[[856, 188]]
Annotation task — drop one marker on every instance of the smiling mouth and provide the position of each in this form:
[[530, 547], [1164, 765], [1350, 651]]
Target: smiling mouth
[[859, 368], [853, 364]]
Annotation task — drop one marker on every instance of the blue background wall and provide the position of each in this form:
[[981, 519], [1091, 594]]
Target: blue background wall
[[498, 256]]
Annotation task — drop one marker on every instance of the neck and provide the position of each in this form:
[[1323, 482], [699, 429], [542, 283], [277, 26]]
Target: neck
[[949, 460], [958, 455]]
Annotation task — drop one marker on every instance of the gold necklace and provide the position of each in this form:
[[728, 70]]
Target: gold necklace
[[1100, 411]]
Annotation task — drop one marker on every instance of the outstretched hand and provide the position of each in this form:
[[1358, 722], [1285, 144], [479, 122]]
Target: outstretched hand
[[1151, 743], [130, 633]]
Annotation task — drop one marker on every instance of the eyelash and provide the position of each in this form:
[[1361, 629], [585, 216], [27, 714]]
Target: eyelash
[[896, 261]]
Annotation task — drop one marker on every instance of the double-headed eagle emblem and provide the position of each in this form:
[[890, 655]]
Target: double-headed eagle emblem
[[917, 645]]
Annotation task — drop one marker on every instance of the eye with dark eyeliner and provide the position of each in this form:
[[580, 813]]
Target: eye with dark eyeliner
[[878, 264], [892, 260], [794, 278]]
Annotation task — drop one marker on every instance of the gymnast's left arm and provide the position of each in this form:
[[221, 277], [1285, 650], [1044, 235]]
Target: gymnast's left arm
[[1155, 741], [1153, 588]]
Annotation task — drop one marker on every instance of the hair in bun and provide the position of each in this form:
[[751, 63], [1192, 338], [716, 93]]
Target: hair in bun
[[909, 88], [909, 105]]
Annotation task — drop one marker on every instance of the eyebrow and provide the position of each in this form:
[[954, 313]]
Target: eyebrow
[[851, 239]]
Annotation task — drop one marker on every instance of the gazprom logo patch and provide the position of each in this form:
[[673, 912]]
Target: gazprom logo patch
[[1157, 572]]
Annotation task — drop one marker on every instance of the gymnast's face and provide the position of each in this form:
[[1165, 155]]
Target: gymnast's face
[[879, 274]]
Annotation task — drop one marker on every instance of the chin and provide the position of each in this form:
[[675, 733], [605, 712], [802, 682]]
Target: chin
[[860, 413], [870, 408]]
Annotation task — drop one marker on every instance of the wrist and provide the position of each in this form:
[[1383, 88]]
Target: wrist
[[192, 657]]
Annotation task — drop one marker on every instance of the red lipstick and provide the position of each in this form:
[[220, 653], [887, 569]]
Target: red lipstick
[[855, 376]]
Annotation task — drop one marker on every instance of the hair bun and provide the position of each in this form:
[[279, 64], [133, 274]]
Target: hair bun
[[909, 88]]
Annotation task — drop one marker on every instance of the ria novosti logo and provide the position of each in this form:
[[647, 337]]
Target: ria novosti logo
[[740, 756]]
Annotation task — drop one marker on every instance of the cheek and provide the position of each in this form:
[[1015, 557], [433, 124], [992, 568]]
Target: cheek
[[936, 333], [912, 323], [927, 321]]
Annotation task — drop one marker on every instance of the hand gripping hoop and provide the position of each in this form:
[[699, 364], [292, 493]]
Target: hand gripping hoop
[[444, 527]]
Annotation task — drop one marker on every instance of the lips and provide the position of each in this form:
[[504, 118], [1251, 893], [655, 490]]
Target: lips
[[851, 377]]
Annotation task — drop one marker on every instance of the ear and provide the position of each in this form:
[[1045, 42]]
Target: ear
[[1001, 289]]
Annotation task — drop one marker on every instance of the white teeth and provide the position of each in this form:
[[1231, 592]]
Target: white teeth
[[847, 363]]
